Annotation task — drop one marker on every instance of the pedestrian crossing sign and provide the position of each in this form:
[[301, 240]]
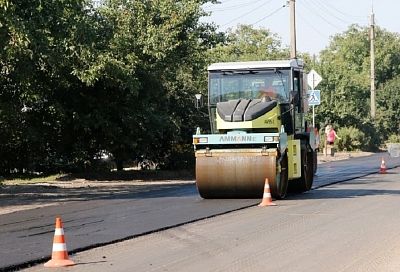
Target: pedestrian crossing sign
[[314, 97]]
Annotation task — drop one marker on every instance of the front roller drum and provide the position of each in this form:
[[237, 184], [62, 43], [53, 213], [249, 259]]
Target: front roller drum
[[240, 173]]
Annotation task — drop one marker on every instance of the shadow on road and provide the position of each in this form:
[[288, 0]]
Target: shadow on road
[[14, 195], [128, 175]]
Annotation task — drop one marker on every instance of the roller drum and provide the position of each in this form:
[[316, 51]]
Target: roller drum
[[237, 173]]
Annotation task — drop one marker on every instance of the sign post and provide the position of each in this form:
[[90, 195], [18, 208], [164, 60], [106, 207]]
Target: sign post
[[314, 99], [314, 96]]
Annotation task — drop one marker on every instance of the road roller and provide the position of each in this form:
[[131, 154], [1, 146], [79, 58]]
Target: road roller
[[258, 131]]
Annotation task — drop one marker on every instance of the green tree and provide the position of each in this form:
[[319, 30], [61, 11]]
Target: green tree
[[345, 68], [37, 49], [78, 81], [152, 61], [388, 105]]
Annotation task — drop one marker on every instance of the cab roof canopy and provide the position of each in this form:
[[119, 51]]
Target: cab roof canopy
[[256, 65]]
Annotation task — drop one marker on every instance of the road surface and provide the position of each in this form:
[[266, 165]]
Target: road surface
[[350, 226], [90, 222]]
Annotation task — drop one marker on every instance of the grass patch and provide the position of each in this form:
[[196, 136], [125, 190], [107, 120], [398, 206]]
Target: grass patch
[[145, 175], [32, 179]]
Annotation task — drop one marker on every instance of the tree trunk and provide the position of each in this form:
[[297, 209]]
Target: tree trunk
[[120, 164]]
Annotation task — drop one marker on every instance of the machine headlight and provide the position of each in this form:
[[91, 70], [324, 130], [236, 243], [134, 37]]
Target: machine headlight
[[268, 139], [271, 139], [200, 140]]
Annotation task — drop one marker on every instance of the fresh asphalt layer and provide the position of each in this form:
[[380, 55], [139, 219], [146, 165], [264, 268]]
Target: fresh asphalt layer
[[350, 226], [26, 236]]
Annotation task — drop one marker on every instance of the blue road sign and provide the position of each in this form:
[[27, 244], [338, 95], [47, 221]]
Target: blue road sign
[[314, 97]]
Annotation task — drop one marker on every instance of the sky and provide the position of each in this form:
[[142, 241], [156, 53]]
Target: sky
[[316, 20]]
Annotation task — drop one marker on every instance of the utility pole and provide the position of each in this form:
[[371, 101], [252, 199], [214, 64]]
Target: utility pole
[[372, 56], [292, 4]]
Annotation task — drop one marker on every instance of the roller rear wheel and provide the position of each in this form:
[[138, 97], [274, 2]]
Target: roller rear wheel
[[280, 185], [307, 171]]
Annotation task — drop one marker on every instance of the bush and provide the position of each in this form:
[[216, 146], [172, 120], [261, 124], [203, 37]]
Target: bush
[[181, 157], [352, 139], [394, 138]]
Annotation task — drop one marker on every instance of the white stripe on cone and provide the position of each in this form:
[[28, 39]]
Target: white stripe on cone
[[59, 247], [59, 232], [267, 195]]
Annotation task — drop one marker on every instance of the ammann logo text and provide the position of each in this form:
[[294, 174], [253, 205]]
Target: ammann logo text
[[237, 138]]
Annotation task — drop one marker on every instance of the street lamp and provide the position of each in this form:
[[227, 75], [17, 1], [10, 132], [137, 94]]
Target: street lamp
[[199, 101]]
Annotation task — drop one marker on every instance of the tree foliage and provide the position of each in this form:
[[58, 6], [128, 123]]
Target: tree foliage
[[388, 105], [351, 139], [78, 82], [345, 90]]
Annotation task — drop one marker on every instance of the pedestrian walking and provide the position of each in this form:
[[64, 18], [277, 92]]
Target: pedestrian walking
[[330, 137]]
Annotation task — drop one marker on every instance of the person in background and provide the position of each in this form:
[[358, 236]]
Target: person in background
[[330, 135]]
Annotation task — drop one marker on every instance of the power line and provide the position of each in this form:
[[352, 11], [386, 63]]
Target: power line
[[324, 19], [312, 26], [211, 4], [331, 13], [251, 2], [341, 12], [269, 15], [247, 13]]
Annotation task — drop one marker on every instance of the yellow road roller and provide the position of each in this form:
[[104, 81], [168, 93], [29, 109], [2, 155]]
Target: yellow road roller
[[258, 131]]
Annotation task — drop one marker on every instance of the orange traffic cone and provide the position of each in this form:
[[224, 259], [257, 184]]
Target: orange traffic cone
[[267, 199], [383, 168], [59, 256]]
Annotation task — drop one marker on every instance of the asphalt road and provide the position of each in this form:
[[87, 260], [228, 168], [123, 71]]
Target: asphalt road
[[26, 236], [349, 227]]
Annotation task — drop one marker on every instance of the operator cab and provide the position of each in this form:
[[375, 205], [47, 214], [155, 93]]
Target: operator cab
[[242, 91], [248, 84]]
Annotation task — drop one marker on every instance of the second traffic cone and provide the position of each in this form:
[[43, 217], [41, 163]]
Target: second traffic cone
[[59, 256], [383, 168], [267, 199]]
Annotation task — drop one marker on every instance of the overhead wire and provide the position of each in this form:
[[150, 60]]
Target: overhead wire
[[330, 12], [234, 6], [311, 25], [318, 14], [269, 15], [211, 4], [343, 13], [247, 13]]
